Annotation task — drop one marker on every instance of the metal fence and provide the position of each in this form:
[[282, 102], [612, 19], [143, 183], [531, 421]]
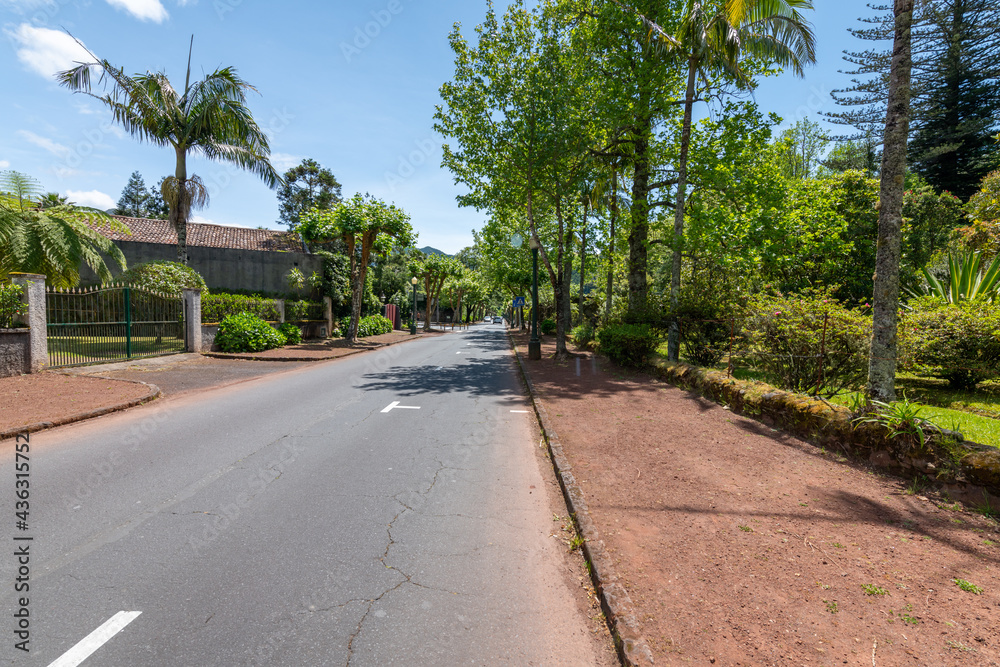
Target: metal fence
[[111, 323]]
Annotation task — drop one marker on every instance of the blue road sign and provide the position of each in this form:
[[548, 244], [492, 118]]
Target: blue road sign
[[519, 302]]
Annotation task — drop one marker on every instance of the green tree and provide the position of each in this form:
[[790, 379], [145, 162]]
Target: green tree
[[209, 117], [885, 299], [134, 197], [435, 270], [803, 147], [368, 227], [952, 144], [717, 38], [306, 186], [52, 240]]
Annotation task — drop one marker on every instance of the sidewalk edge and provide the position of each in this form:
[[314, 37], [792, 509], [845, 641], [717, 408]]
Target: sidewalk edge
[[619, 612], [153, 393]]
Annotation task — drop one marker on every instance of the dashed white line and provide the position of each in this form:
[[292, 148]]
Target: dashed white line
[[523, 412], [96, 639]]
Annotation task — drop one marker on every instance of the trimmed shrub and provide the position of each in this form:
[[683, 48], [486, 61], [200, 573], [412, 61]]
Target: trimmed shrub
[[957, 342], [11, 307], [291, 332], [164, 277], [547, 326], [246, 332], [628, 344], [785, 338], [373, 325], [583, 335], [217, 307]]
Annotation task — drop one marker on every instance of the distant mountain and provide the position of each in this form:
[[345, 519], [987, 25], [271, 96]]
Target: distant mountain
[[427, 250]]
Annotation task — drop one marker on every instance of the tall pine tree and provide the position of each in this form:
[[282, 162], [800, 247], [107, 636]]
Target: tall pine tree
[[952, 146], [134, 197]]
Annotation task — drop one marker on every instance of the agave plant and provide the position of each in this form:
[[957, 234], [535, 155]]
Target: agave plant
[[37, 236], [967, 280]]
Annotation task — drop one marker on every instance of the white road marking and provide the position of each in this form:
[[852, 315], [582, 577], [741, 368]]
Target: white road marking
[[523, 412], [578, 366], [458, 352], [396, 406], [96, 639]]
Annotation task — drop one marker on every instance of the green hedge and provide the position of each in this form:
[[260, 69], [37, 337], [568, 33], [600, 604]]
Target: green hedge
[[291, 332], [299, 311], [217, 307], [11, 307], [373, 325], [246, 332], [957, 342], [628, 344]]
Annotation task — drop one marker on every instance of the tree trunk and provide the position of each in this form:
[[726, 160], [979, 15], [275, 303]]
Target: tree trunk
[[885, 299], [178, 209], [427, 305], [611, 245], [583, 264], [638, 238], [673, 337], [357, 293]]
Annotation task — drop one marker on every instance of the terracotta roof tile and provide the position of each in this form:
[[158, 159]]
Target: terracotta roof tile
[[206, 235]]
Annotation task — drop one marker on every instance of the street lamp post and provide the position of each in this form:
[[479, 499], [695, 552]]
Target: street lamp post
[[413, 320], [534, 344]]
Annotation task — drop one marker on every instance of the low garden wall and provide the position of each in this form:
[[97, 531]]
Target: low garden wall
[[15, 355], [965, 470]]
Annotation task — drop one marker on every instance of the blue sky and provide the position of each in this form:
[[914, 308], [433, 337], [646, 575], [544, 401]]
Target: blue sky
[[351, 84]]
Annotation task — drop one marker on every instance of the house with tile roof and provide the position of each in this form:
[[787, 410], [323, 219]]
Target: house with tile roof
[[227, 257]]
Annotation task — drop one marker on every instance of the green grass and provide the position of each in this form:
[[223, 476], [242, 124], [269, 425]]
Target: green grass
[[71, 350], [976, 414]]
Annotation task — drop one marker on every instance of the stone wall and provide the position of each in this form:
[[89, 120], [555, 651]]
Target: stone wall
[[14, 357], [223, 268]]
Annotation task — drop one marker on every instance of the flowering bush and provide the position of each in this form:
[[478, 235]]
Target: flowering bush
[[957, 342], [807, 342]]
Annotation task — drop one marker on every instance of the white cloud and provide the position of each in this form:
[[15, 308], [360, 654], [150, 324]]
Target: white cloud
[[144, 10], [284, 161], [4, 164], [42, 142], [47, 51], [93, 198], [24, 5], [203, 220]]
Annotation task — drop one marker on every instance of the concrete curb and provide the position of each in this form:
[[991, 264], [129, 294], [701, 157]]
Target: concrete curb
[[619, 612], [154, 393]]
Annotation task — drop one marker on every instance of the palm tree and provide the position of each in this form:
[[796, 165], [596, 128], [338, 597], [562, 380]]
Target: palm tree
[[713, 38], [37, 236], [209, 117]]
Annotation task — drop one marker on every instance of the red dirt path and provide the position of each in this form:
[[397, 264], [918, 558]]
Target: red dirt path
[[742, 546], [28, 399]]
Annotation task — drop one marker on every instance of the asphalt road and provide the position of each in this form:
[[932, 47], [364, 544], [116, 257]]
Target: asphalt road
[[294, 520]]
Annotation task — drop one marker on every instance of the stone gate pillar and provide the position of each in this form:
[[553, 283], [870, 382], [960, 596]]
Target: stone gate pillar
[[33, 296]]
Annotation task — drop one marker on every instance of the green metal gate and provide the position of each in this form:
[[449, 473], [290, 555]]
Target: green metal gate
[[111, 323]]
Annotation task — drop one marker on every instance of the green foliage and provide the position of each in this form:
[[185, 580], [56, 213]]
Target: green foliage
[[584, 335], [374, 325], [628, 344], [872, 589], [306, 186], [968, 587], [36, 237], [11, 306], [217, 307], [784, 336], [547, 326], [301, 310], [901, 419], [291, 332], [957, 342], [984, 206], [929, 223], [966, 280], [246, 332], [164, 277]]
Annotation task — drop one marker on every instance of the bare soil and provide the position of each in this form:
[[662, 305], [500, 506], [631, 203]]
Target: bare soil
[[740, 545], [47, 397]]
